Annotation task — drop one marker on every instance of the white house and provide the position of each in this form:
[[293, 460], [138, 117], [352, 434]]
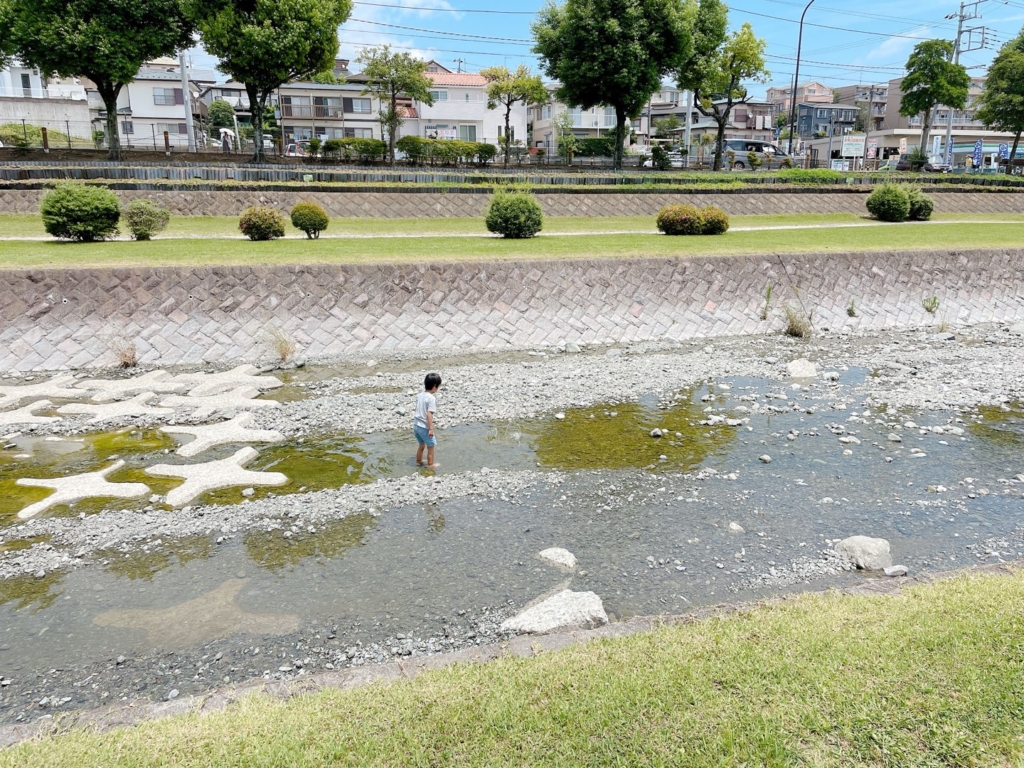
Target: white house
[[27, 97]]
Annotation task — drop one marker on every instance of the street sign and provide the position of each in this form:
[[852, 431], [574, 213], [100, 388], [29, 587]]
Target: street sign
[[979, 156], [1004, 151], [853, 146]]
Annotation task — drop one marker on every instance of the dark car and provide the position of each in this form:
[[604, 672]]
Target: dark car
[[904, 165]]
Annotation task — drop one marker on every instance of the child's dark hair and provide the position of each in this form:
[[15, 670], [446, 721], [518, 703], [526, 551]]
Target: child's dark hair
[[431, 381]]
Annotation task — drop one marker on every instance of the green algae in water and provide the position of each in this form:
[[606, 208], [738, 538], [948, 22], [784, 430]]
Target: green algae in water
[[590, 438], [1004, 427], [28, 591], [146, 565], [272, 551]]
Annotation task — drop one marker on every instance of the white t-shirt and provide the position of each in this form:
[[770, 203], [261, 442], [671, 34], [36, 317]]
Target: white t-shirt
[[425, 402]]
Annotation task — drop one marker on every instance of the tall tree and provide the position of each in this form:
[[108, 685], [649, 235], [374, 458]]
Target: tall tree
[[933, 79], [710, 24], [265, 43], [104, 40], [613, 52], [6, 44], [739, 59], [390, 75], [510, 88], [1002, 101]]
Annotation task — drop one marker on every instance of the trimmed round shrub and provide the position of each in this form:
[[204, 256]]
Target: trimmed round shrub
[[921, 206], [261, 223], [680, 220], [716, 221], [79, 212], [144, 219], [310, 218], [515, 215], [889, 202]]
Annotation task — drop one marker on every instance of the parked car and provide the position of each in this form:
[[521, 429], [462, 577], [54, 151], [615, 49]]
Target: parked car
[[675, 158], [773, 154], [297, 149], [904, 165]]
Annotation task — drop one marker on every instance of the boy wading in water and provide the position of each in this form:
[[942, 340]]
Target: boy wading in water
[[423, 421]]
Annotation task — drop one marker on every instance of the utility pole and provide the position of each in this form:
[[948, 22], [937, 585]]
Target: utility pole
[[867, 127], [458, 65], [187, 99], [796, 77], [968, 11], [689, 124]]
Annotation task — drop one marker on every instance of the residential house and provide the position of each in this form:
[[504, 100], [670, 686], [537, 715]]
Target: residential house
[[586, 123], [872, 100], [821, 119], [28, 97], [807, 93], [154, 103]]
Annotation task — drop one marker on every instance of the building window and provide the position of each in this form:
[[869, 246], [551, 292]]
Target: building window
[[127, 127], [296, 106], [168, 97], [358, 106], [359, 133], [327, 106], [467, 132], [439, 95], [546, 112], [26, 85], [172, 128], [822, 113]]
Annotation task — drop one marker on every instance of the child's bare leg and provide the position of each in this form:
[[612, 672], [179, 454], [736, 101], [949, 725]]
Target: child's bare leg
[[419, 455], [430, 457]]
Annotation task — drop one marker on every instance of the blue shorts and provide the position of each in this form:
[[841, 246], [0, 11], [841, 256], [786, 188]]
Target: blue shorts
[[423, 438]]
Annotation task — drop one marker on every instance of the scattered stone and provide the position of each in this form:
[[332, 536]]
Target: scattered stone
[[77, 487], [656, 432], [572, 348], [896, 570], [867, 553], [894, 438], [559, 556], [802, 368], [214, 475], [765, 459], [736, 528], [561, 611], [226, 432]]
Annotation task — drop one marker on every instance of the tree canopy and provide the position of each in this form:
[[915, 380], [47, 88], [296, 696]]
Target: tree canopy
[[933, 79], [390, 75], [710, 24], [265, 43], [104, 40], [613, 52], [506, 88], [738, 59], [1002, 101]]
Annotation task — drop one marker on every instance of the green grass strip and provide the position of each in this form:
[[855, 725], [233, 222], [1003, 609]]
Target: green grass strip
[[430, 248], [933, 677]]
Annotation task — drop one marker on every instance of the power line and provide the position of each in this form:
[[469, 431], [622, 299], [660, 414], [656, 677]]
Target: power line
[[862, 14], [447, 10], [516, 40], [826, 26], [495, 54]]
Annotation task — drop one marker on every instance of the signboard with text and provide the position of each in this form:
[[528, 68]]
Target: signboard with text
[[903, 146], [853, 146], [872, 149], [979, 153]]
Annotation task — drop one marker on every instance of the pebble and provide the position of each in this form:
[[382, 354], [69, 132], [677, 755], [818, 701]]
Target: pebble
[[765, 459]]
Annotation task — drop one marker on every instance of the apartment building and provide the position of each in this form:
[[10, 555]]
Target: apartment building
[[820, 119], [586, 123], [807, 93], [871, 100]]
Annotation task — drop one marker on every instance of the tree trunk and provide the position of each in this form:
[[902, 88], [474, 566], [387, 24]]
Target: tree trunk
[[620, 137], [926, 130], [1013, 153], [108, 92], [257, 105], [508, 119], [393, 127], [721, 120]]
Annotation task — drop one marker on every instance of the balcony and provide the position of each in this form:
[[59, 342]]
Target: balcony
[[328, 112], [70, 92], [296, 110]]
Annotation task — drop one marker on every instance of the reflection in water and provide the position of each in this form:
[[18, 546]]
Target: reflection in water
[[25, 591], [145, 565], [272, 551], [593, 438]]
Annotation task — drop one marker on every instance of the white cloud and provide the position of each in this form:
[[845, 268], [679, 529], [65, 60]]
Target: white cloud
[[895, 48]]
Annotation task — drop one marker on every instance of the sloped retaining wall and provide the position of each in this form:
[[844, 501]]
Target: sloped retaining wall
[[54, 319], [429, 203]]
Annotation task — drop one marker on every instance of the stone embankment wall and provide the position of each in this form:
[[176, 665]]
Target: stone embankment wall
[[422, 203], [54, 319]]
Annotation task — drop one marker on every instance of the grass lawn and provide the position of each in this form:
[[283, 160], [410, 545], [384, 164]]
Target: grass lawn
[[930, 678], [238, 251], [31, 225]]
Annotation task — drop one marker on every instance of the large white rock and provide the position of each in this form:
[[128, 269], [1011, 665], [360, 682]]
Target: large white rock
[[802, 368], [563, 610], [24, 414], [137, 406], [223, 433], [204, 384], [204, 406], [865, 552], [214, 475], [105, 390], [68, 490], [559, 556], [14, 394]]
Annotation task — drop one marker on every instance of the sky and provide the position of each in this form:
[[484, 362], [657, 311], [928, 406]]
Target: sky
[[866, 43]]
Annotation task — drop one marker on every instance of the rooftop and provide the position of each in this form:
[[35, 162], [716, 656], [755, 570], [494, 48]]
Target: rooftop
[[457, 78]]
